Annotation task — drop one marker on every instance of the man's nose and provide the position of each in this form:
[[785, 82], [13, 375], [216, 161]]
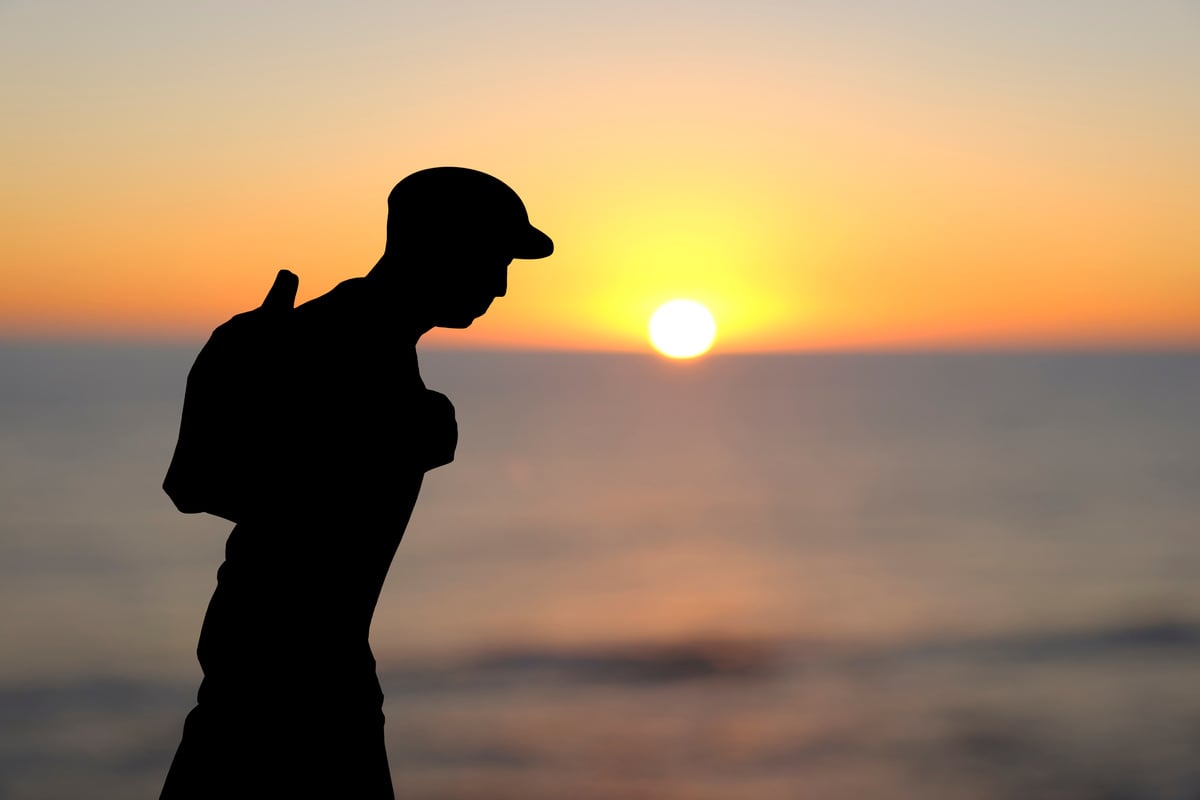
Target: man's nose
[[501, 287]]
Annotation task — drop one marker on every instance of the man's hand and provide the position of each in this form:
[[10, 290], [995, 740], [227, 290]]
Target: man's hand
[[437, 431]]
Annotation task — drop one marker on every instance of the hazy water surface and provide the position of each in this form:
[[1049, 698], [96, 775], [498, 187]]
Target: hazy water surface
[[904, 576]]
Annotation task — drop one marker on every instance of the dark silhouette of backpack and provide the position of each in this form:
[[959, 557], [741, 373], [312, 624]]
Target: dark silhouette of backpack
[[230, 431]]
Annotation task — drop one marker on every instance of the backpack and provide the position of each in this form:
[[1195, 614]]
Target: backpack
[[230, 428]]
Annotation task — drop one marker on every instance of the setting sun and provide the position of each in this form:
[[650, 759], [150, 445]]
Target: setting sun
[[682, 329]]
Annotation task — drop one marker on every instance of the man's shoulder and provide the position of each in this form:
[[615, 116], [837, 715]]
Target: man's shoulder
[[349, 296], [351, 324], [349, 312]]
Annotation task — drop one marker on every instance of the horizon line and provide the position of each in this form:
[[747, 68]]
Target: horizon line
[[929, 348]]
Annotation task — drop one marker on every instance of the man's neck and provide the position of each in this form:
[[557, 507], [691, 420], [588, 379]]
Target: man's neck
[[397, 299]]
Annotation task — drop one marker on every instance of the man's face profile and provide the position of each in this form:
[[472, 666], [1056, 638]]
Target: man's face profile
[[464, 285]]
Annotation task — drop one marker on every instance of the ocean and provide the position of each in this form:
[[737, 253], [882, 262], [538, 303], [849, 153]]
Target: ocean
[[954, 575]]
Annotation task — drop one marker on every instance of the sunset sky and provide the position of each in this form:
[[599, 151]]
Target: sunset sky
[[881, 173]]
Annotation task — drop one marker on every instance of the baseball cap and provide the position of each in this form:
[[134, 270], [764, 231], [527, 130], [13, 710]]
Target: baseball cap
[[442, 205]]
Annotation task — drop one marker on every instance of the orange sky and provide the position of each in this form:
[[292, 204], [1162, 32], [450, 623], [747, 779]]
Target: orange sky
[[870, 174]]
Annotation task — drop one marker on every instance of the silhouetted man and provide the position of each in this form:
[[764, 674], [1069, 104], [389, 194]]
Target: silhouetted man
[[311, 429]]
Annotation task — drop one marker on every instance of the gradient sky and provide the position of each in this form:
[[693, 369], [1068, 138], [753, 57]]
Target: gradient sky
[[820, 174]]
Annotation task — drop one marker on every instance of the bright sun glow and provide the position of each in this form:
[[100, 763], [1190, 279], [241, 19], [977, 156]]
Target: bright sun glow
[[682, 329]]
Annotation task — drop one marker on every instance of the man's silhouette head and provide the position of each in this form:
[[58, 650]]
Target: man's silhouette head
[[451, 234]]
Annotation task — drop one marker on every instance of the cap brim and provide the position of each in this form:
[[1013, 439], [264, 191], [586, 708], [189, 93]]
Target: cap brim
[[533, 244]]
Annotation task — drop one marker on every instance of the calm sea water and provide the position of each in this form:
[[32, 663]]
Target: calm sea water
[[852, 576]]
